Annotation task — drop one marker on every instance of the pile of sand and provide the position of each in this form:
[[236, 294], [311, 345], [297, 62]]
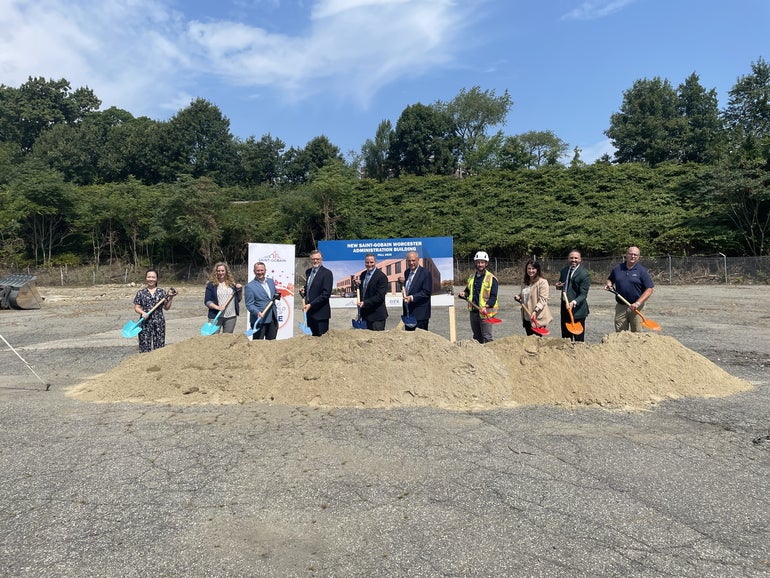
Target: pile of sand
[[396, 368]]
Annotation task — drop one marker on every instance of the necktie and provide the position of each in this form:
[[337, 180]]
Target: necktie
[[366, 280], [569, 278], [409, 281], [310, 278]]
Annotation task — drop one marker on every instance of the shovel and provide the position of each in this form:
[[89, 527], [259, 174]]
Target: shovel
[[409, 320], [359, 323], [134, 328], [211, 327], [303, 326], [493, 320], [648, 323], [534, 326], [252, 330], [574, 327]]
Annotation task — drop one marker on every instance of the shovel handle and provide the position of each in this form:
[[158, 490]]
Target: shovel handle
[[532, 317], [170, 293], [624, 300]]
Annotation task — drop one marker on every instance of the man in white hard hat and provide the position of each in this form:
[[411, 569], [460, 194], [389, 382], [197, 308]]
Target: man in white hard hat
[[481, 291]]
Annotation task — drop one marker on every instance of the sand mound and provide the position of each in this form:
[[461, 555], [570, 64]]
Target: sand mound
[[397, 368]]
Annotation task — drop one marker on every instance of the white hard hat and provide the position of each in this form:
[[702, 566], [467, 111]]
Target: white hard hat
[[481, 256]]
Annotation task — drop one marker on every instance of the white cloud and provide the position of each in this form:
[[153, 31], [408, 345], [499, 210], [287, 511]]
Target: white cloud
[[595, 9], [144, 56], [353, 47], [125, 51]]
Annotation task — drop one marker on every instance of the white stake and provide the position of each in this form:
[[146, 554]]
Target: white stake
[[47, 385]]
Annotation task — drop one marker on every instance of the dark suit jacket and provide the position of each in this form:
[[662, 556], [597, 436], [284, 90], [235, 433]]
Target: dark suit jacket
[[421, 288], [374, 308], [577, 291], [319, 293]]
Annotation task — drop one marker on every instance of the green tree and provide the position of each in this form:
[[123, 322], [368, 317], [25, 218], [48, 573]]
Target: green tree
[[375, 152], [543, 148], [301, 165], [137, 210], [422, 143], [193, 208], [261, 160], [134, 149], [197, 141], [703, 138], [513, 154], [95, 210], [43, 205], [39, 104], [741, 188], [471, 113], [332, 182], [649, 127], [747, 115]]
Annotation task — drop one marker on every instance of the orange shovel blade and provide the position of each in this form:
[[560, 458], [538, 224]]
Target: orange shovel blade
[[574, 327], [649, 323]]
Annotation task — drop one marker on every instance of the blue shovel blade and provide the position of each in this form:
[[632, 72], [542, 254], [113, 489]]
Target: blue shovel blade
[[132, 329], [303, 326]]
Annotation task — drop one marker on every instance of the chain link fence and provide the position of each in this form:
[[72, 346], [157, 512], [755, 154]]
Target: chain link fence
[[665, 269]]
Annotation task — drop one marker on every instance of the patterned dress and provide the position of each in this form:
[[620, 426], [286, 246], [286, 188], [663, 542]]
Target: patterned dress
[[153, 333]]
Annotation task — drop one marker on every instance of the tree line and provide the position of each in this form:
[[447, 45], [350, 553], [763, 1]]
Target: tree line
[[83, 185]]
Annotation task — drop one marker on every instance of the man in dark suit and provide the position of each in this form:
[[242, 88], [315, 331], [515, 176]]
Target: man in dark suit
[[574, 281], [316, 293], [373, 286], [418, 286]]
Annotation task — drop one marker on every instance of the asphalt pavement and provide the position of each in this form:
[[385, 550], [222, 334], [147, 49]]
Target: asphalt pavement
[[91, 489]]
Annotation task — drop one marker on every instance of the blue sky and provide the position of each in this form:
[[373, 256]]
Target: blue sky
[[299, 69]]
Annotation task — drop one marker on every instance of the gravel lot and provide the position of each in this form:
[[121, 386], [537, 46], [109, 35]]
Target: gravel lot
[[150, 490]]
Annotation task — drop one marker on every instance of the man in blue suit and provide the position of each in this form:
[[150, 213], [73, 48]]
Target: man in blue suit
[[316, 293], [418, 286], [259, 293]]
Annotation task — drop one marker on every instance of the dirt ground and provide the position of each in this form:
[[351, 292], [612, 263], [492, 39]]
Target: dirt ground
[[75, 337]]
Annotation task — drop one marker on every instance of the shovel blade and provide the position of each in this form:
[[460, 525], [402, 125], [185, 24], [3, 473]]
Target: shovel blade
[[541, 330], [252, 330], [303, 326], [305, 329], [492, 320], [358, 324], [131, 329], [209, 328], [409, 321], [575, 328], [650, 324]]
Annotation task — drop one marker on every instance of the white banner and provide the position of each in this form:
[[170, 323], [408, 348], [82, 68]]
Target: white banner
[[279, 262]]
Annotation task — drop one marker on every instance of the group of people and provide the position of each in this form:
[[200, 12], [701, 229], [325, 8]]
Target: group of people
[[629, 281]]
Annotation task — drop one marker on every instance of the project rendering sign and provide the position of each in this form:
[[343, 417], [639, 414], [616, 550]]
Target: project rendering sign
[[346, 261]]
